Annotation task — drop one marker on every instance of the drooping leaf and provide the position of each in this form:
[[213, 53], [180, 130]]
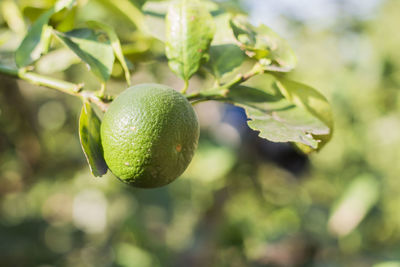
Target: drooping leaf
[[275, 117], [156, 11], [89, 134], [36, 40], [314, 102], [224, 59], [93, 48], [116, 45], [263, 44], [189, 32]]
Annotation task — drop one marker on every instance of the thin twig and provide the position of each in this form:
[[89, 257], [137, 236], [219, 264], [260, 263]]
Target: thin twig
[[221, 92]]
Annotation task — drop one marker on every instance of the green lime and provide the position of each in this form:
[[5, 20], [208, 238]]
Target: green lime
[[149, 135]]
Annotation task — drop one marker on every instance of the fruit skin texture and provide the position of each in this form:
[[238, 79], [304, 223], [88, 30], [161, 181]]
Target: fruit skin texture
[[149, 134]]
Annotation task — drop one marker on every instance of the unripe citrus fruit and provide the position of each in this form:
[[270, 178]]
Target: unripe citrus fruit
[[149, 134]]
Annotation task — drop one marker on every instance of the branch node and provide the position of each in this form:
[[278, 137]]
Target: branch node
[[78, 88]]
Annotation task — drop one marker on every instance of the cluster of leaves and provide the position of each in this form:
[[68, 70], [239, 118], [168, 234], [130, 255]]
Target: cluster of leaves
[[200, 33], [248, 63], [95, 45]]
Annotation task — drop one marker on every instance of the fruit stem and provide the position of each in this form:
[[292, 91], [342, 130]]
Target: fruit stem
[[102, 90], [220, 93], [59, 85], [241, 78], [185, 87], [212, 94]]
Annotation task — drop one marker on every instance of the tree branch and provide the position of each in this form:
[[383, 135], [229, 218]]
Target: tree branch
[[59, 85], [218, 93]]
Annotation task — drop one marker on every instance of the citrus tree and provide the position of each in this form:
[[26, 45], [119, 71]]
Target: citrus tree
[[149, 132]]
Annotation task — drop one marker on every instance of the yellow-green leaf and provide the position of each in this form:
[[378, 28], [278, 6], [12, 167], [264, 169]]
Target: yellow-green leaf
[[156, 11], [314, 102], [93, 48], [89, 134], [263, 44], [116, 45]]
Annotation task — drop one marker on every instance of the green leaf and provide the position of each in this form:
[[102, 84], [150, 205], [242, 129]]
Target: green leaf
[[93, 48], [36, 40], [89, 134], [189, 32], [33, 13], [263, 44], [116, 45], [65, 20], [314, 102], [156, 11], [275, 117], [224, 59]]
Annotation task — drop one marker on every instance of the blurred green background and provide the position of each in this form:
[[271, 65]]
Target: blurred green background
[[243, 201]]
